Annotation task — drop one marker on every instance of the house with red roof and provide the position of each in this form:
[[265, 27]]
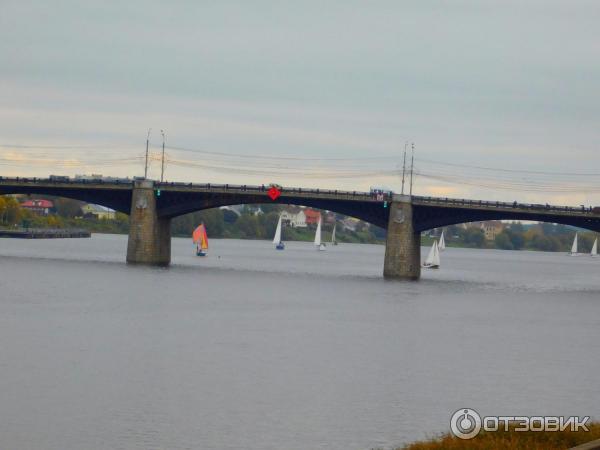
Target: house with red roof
[[41, 207], [312, 216]]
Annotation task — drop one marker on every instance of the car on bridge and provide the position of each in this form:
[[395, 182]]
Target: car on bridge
[[58, 178]]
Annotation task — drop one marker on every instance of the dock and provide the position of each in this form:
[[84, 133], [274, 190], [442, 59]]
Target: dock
[[45, 233]]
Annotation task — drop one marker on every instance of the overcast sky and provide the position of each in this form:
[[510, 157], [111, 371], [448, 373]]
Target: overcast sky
[[506, 85]]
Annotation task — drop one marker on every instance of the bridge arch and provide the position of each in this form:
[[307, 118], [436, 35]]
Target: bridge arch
[[427, 217], [119, 200], [170, 207]]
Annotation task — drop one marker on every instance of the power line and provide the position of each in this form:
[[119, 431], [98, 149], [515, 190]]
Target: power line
[[524, 171], [275, 157]]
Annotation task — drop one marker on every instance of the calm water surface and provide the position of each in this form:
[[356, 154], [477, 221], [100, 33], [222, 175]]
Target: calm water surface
[[250, 348]]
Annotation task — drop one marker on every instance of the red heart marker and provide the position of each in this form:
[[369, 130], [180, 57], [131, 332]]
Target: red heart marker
[[273, 193]]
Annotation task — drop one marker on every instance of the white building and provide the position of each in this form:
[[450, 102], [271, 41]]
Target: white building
[[99, 212], [350, 223], [294, 218]]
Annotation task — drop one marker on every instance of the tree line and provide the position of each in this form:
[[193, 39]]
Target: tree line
[[546, 237], [225, 223]]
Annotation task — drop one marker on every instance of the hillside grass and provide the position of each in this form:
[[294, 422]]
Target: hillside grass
[[510, 440]]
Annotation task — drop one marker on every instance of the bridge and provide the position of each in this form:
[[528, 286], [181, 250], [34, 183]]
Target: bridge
[[151, 205]]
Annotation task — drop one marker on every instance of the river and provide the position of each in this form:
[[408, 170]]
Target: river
[[250, 348]]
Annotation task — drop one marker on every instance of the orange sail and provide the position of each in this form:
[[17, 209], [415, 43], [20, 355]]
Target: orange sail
[[196, 235], [200, 237], [204, 239]]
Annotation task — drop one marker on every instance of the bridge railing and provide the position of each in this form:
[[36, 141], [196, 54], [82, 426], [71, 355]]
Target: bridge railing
[[508, 205], [66, 180], [60, 180], [284, 190]]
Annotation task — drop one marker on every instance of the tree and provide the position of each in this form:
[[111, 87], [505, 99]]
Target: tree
[[474, 236], [248, 225], [503, 241], [66, 207], [515, 236], [378, 232], [269, 207], [229, 216], [10, 211], [211, 218], [213, 221], [517, 227], [268, 223]]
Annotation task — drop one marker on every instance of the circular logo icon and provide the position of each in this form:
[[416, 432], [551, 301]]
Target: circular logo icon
[[465, 423]]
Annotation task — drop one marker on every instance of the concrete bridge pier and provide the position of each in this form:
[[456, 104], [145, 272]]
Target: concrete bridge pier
[[149, 235], [403, 244]]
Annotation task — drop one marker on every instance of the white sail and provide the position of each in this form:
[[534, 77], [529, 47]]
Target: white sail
[[277, 238], [318, 233], [436, 256], [574, 247], [433, 258], [595, 248], [442, 244], [333, 234]]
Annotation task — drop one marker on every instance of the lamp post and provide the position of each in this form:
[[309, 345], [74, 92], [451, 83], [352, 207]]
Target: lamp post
[[404, 166], [412, 166], [162, 167], [147, 144]]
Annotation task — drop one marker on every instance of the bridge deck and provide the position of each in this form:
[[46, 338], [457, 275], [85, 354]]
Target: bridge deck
[[58, 186], [570, 211]]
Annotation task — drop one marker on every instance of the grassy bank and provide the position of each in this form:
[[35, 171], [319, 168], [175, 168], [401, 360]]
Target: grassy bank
[[510, 440]]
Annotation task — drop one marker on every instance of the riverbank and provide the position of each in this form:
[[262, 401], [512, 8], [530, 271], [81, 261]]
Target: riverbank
[[513, 440], [45, 233]]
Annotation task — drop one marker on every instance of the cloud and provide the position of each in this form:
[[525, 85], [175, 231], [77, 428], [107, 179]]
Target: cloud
[[510, 84]]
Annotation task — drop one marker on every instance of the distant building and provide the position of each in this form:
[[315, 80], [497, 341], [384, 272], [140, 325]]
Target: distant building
[[312, 216], [294, 217], [97, 211], [350, 223], [491, 229], [38, 206], [92, 177], [237, 209], [329, 217]]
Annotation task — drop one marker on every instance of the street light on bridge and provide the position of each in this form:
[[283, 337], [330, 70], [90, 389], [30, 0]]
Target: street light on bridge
[[404, 167], [412, 166], [162, 167], [147, 144]]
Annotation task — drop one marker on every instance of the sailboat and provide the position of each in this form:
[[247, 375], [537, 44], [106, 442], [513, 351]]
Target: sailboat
[[442, 244], [433, 258], [279, 245], [201, 240], [318, 243], [594, 253], [333, 241], [573, 251]]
